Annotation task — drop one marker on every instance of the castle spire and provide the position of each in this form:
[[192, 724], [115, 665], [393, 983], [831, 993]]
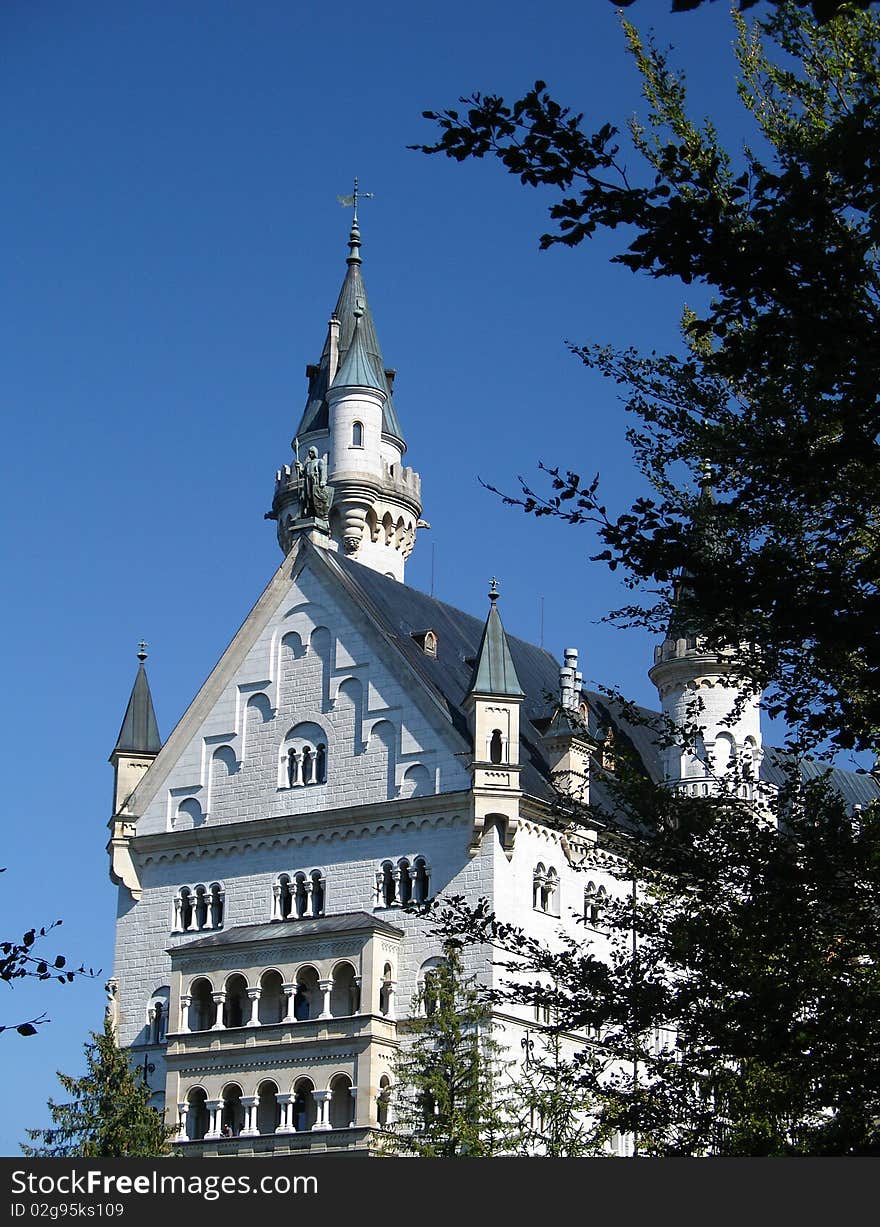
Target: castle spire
[[350, 432], [494, 671], [139, 733]]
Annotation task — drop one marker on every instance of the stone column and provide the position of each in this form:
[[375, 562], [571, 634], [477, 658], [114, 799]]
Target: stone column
[[185, 1002], [390, 986], [277, 910], [219, 1001], [193, 925], [249, 1103], [308, 887], [182, 1112], [215, 1107], [326, 987], [356, 995], [413, 888], [254, 995], [178, 920], [395, 886], [353, 1091], [286, 1104], [289, 991], [322, 1099]]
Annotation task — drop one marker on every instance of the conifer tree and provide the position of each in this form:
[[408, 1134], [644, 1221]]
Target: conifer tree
[[451, 1095], [108, 1113]]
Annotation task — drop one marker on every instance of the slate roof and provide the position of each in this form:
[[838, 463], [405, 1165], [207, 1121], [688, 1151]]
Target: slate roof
[[358, 370], [400, 611], [140, 732], [278, 930], [353, 294]]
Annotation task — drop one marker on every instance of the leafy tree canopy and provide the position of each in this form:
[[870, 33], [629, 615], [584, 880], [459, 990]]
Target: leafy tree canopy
[[775, 397], [823, 10]]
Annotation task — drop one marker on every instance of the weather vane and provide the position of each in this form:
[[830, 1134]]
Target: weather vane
[[351, 202]]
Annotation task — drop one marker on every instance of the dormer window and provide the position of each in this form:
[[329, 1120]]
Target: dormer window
[[357, 434], [427, 641]]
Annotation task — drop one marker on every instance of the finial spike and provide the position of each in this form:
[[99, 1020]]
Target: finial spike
[[142, 651], [351, 202], [493, 591]]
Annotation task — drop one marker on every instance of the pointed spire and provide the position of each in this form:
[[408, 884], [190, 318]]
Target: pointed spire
[[352, 295], [358, 369], [494, 671], [140, 732]]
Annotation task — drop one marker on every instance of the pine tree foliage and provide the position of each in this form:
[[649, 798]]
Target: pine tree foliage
[[450, 1097], [108, 1112]]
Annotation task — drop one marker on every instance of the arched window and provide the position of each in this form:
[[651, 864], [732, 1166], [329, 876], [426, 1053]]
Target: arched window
[[343, 994], [422, 881], [305, 1109], [198, 908], [595, 901], [268, 1108], [303, 757], [386, 991], [232, 1117], [383, 1103], [236, 1009], [273, 1003], [357, 434], [202, 1010], [157, 1015], [495, 746], [386, 893], [429, 984], [341, 1102], [307, 998], [197, 1117], [317, 881], [404, 881]]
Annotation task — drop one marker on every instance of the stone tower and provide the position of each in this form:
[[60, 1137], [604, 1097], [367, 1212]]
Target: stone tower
[[349, 439]]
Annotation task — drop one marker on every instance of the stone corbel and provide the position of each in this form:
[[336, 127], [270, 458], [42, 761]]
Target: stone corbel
[[122, 867]]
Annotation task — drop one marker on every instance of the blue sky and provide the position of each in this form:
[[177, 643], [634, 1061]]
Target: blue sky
[[173, 250]]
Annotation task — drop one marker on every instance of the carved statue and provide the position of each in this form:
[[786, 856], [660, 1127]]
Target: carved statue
[[111, 1008], [315, 495]]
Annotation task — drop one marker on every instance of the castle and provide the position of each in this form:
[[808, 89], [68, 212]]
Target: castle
[[358, 746]]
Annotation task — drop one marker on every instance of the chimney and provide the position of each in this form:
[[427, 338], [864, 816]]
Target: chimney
[[334, 348]]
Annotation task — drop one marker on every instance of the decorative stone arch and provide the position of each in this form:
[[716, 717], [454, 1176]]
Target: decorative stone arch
[[386, 734], [350, 693], [427, 1000], [268, 1107], [202, 1007], [272, 1005], [232, 1114], [372, 524], [188, 814], [345, 990], [416, 782], [341, 1104], [304, 1107], [303, 759], [236, 1004], [307, 997], [197, 1120], [384, 1115], [157, 1015], [387, 986], [724, 755], [257, 712], [224, 764]]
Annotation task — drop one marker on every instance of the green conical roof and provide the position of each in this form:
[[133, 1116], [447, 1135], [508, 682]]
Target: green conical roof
[[140, 732], [352, 297], [358, 370], [494, 672]]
